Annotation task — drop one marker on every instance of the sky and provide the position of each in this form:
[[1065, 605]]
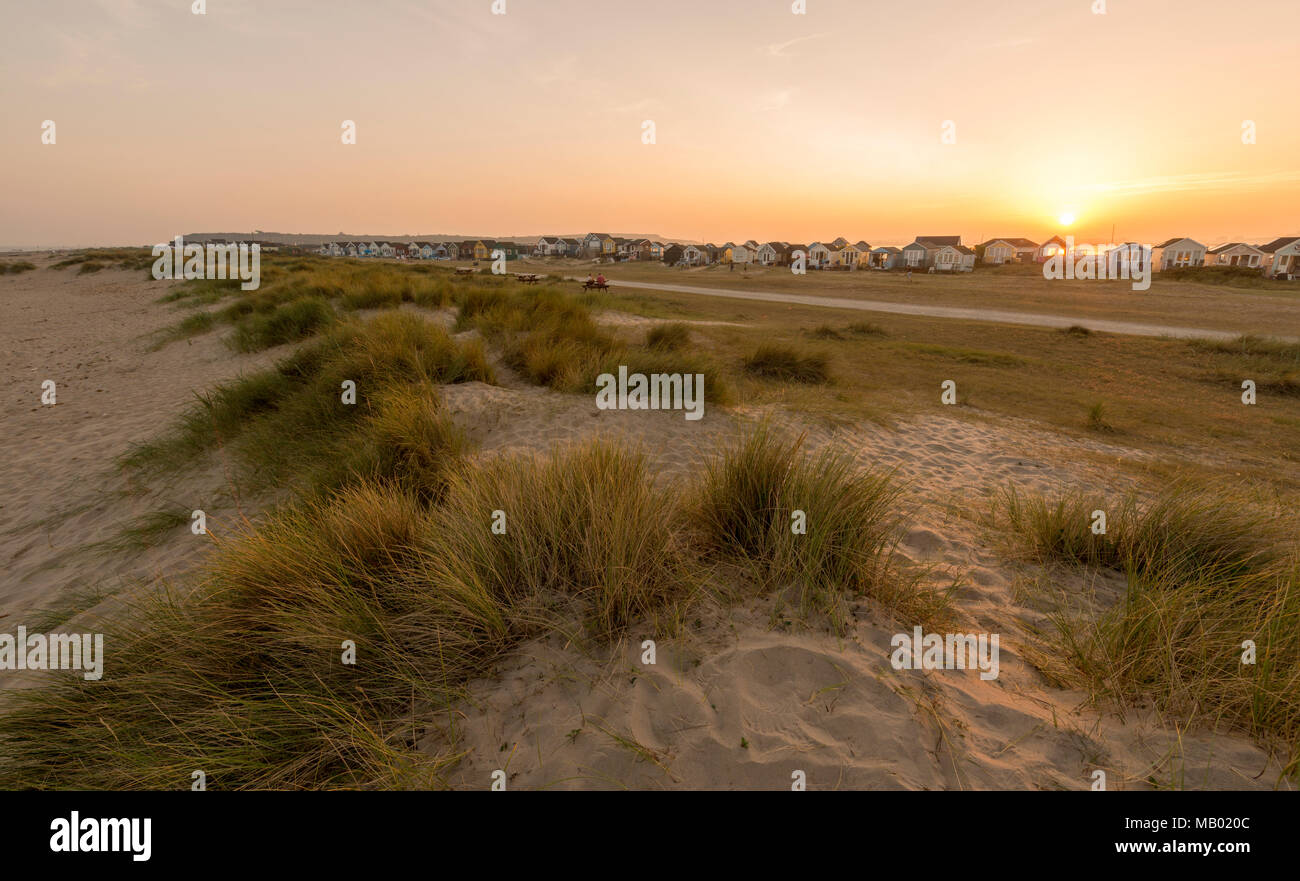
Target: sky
[[869, 120]]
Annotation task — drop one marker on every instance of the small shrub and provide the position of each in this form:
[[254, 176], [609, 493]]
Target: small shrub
[[775, 361], [1097, 419]]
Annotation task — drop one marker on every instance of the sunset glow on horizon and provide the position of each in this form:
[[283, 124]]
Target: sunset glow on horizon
[[767, 125]]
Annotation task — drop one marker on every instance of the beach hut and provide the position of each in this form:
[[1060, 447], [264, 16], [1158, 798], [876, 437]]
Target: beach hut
[[1049, 249], [769, 253], [1281, 258], [1008, 250], [1179, 253], [696, 255], [1235, 254], [885, 257]]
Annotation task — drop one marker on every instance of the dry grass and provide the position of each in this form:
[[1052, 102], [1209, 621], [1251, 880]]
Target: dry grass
[[754, 498], [244, 676], [788, 364], [1208, 569]]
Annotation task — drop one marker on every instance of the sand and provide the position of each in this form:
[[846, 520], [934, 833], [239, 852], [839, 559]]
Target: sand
[[61, 496], [744, 698]]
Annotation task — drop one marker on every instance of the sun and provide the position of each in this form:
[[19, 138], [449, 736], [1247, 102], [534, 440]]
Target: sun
[[1067, 218]]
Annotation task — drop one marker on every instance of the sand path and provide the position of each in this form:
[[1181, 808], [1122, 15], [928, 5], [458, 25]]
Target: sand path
[[997, 316]]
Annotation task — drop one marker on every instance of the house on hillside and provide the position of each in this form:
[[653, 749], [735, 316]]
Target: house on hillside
[[1235, 254], [1282, 258], [1008, 250], [1178, 253]]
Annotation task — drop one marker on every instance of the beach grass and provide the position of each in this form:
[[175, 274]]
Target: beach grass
[[1209, 572], [787, 363], [668, 337], [246, 675], [813, 524], [297, 419]]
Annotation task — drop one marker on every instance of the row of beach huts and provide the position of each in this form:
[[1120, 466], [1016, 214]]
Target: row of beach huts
[[1279, 258]]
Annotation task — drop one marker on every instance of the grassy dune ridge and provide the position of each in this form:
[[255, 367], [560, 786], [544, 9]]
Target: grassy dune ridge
[[241, 676], [387, 544], [292, 422], [1207, 568]]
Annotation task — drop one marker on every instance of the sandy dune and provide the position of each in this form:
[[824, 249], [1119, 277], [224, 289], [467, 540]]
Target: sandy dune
[[743, 699], [561, 715], [60, 494]]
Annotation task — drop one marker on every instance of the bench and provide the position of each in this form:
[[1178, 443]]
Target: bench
[[595, 285], [527, 278], [464, 271]]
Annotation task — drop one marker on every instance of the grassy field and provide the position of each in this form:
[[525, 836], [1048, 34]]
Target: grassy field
[[1271, 307], [1182, 398]]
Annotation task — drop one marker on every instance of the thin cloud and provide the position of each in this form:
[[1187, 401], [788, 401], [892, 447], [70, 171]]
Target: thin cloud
[[1184, 182], [778, 50]]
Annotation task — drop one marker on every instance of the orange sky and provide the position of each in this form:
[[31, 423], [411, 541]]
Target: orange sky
[[769, 125]]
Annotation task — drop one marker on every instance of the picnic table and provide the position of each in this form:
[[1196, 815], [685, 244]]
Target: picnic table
[[464, 271], [595, 285], [527, 278]]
